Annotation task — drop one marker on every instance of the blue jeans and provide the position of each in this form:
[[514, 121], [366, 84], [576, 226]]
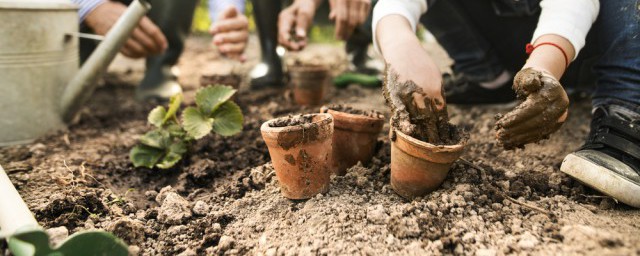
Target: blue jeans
[[484, 38]]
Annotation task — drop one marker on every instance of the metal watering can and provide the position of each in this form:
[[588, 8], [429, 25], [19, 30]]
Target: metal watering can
[[41, 85]]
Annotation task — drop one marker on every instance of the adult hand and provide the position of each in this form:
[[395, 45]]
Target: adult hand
[[348, 14], [294, 22], [230, 33], [542, 112], [146, 39]]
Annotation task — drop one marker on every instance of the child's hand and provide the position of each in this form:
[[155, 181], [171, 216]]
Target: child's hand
[[348, 14], [542, 112], [230, 33], [294, 22]]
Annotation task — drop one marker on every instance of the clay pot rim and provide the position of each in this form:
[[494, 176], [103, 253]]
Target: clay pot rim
[[309, 68], [426, 145], [354, 122], [265, 128]]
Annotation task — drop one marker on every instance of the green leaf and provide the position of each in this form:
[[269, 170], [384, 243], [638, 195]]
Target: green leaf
[[195, 123], [156, 116], [146, 156], [210, 98], [175, 130], [174, 105], [228, 119], [156, 139], [174, 155]]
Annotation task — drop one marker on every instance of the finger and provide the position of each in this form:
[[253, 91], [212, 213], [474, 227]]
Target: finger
[[285, 23], [341, 20], [303, 20], [232, 48], [135, 49], [153, 32], [526, 110], [239, 23], [527, 81], [365, 8], [536, 125], [520, 140], [228, 13], [231, 37], [142, 38]]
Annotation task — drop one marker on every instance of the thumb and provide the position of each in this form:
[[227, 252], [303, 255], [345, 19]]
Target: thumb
[[229, 12], [527, 81], [302, 23]]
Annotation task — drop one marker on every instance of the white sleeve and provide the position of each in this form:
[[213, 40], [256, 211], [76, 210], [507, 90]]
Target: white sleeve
[[217, 6], [569, 19], [410, 9]]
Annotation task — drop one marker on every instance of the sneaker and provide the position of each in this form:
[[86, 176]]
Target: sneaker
[[459, 90], [609, 161]]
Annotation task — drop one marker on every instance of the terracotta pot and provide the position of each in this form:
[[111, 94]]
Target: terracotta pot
[[308, 82], [301, 155], [354, 138], [418, 167]]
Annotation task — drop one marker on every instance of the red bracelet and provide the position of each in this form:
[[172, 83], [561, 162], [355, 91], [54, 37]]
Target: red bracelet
[[530, 48]]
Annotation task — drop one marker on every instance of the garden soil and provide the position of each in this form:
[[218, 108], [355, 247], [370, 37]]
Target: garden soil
[[224, 199]]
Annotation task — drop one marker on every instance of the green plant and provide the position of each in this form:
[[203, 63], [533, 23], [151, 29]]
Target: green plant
[[164, 146]]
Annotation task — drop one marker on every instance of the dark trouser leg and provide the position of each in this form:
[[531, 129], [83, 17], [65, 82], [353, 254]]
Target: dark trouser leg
[[617, 67], [269, 71], [174, 19]]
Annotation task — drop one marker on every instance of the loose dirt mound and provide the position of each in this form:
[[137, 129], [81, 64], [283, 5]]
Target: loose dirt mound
[[224, 199]]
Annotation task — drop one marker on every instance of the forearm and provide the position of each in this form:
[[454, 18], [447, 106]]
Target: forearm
[[548, 57], [86, 6], [410, 10]]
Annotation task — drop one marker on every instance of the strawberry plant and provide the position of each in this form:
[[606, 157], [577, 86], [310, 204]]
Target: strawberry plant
[[165, 145]]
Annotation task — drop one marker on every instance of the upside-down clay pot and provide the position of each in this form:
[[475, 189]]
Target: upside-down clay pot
[[308, 82], [354, 138], [301, 155], [418, 167]]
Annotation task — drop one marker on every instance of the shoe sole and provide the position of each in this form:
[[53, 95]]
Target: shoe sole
[[602, 179]]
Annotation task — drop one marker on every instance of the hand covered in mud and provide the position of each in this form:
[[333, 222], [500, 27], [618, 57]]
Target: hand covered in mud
[[542, 112], [416, 112], [348, 14], [293, 23], [230, 33]]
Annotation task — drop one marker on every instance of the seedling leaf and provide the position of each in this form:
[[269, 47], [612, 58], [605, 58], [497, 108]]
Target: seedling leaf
[[227, 119], [142, 155], [173, 156], [156, 139], [210, 98], [195, 123], [156, 116], [174, 104]]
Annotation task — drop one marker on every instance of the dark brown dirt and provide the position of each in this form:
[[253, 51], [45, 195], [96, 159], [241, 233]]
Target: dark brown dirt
[[224, 198], [291, 121], [355, 111]]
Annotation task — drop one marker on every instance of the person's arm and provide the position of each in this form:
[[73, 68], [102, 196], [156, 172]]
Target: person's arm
[[560, 35], [230, 33], [218, 6], [86, 6]]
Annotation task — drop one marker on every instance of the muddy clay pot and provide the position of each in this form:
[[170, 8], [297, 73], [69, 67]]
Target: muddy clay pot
[[308, 82], [301, 155], [354, 138], [418, 167]]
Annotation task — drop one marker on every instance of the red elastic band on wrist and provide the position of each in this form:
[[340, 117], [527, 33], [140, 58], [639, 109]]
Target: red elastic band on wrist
[[529, 48]]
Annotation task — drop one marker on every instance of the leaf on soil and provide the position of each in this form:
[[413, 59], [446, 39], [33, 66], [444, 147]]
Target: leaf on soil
[[157, 139], [156, 116], [174, 104], [174, 155], [211, 98], [228, 119], [142, 155], [195, 123]]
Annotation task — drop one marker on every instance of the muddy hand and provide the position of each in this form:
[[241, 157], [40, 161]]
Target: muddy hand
[[414, 112], [542, 112]]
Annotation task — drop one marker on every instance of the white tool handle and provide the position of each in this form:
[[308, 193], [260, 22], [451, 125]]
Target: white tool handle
[[14, 213]]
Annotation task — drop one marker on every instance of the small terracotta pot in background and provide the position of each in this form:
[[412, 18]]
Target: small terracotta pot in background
[[301, 155], [418, 167], [308, 82], [354, 138]]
